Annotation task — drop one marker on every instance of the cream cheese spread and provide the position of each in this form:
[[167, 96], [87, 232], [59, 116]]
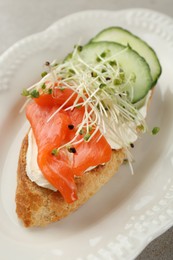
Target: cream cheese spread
[[32, 169]]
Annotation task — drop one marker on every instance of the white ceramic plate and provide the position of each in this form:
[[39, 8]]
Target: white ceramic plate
[[128, 212]]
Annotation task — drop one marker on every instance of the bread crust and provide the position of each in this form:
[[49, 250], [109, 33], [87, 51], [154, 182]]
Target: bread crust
[[37, 206]]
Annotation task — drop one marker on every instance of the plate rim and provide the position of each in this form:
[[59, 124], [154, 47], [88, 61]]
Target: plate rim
[[69, 16], [19, 43]]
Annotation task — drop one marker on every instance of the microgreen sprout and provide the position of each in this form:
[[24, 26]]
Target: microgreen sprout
[[79, 48], [113, 63], [93, 74], [31, 94], [43, 74], [25, 93], [81, 132], [50, 91], [71, 71], [78, 106], [34, 93], [98, 59], [87, 137], [55, 152], [103, 54], [155, 130], [102, 85], [100, 88], [43, 86]]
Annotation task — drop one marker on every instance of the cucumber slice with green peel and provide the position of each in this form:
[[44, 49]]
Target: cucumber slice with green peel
[[122, 36], [134, 75]]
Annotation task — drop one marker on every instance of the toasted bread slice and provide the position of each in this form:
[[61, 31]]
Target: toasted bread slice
[[37, 206]]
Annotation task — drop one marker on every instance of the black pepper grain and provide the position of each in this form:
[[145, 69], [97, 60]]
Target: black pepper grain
[[70, 127]]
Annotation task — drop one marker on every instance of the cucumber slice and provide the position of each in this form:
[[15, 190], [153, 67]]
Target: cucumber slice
[[140, 103], [122, 36], [130, 62]]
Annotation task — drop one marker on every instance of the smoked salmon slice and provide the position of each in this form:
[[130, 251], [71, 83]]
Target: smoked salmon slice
[[61, 168]]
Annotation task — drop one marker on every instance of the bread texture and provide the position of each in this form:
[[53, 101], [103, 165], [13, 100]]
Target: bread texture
[[37, 206]]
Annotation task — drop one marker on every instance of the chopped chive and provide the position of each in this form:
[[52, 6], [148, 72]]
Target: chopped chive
[[155, 130], [35, 93], [103, 70], [25, 93], [43, 74]]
